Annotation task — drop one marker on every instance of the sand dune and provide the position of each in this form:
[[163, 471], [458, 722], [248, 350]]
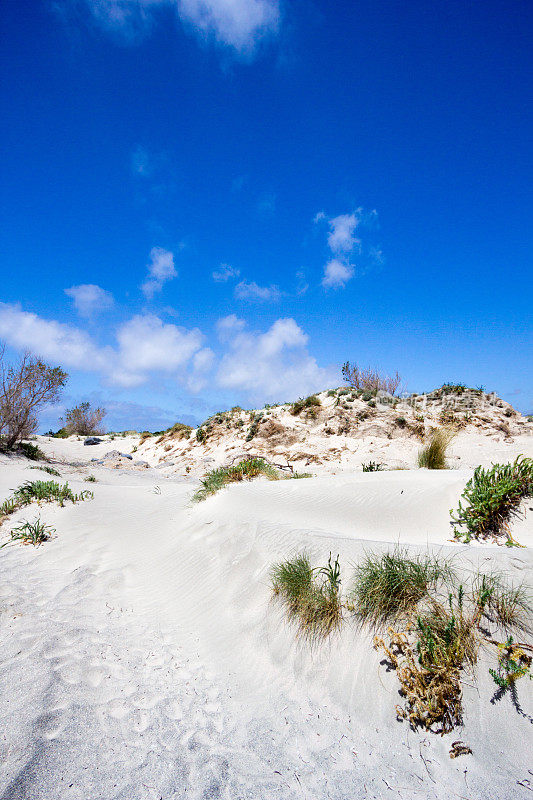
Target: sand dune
[[142, 656]]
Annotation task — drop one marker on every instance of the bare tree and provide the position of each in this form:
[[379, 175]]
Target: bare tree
[[25, 387], [370, 380], [84, 420]]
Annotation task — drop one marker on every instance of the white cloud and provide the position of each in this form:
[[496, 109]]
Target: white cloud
[[160, 270], [225, 273], [341, 238], [90, 299], [274, 365], [251, 291], [342, 242], [146, 344], [53, 341], [228, 327], [337, 273], [238, 24]]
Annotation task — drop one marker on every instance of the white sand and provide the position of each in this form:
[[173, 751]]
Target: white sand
[[142, 657]]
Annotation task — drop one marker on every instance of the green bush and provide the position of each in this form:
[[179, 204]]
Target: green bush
[[492, 498], [305, 403], [32, 451]]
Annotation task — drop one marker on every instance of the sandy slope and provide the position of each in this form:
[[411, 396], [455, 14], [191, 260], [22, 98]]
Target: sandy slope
[[142, 657]]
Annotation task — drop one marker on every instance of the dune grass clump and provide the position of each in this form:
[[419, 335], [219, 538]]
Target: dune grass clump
[[502, 603], [373, 466], [49, 470], [34, 533], [311, 596], [433, 455], [245, 470], [41, 491], [389, 586], [492, 499]]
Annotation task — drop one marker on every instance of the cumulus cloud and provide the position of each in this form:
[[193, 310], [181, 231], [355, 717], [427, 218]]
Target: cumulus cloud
[[342, 243], [225, 273], [90, 299], [228, 326], [54, 341], [145, 345], [160, 270], [273, 365], [251, 291], [337, 273], [238, 24]]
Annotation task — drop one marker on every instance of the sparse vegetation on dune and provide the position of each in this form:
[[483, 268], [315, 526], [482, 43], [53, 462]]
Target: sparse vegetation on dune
[[245, 470], [433, 455], [47, 469], [34, 533], [492, 498], [41, 491], [370, 380], [308, 404], [373, 466], [435, 625]]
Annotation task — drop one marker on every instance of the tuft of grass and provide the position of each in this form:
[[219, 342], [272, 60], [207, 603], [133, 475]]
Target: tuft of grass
[[492, 498], [373, 466], [311, 596], [245, 470], [90, 479], [34, 533], [433, 455], [49, 470], [501, 602], [305, 404], [298, 475], [389, 586]]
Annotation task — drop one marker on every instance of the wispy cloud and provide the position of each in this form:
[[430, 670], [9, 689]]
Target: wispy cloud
[[337, 273], [225, 273], [237, 24], [90, 299], [253, 292], [160, 270]]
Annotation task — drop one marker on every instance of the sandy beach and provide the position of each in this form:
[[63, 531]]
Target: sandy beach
[[143, 656]]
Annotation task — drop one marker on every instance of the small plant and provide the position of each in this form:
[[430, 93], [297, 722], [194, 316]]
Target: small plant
[[373, 466], [401, 422], [254, 427], [433, 455], [298, 475], [492, 498], [305, 404], [49, 470], [34, 533], [529, 418], [505, 604], [41, 491], [244, 470], [389, 586], [200, 435], [513, 663], [90, 479], [311, 596], [331, 393], [32, 451]]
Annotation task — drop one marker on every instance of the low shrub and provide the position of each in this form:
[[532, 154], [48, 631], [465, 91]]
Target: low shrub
[[492, 498], [32, 451], [244, 470], [433, 455], [513, 663], [90, 479], [305, 404]]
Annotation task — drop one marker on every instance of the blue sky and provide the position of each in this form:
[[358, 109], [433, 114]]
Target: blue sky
[[217, 202]]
